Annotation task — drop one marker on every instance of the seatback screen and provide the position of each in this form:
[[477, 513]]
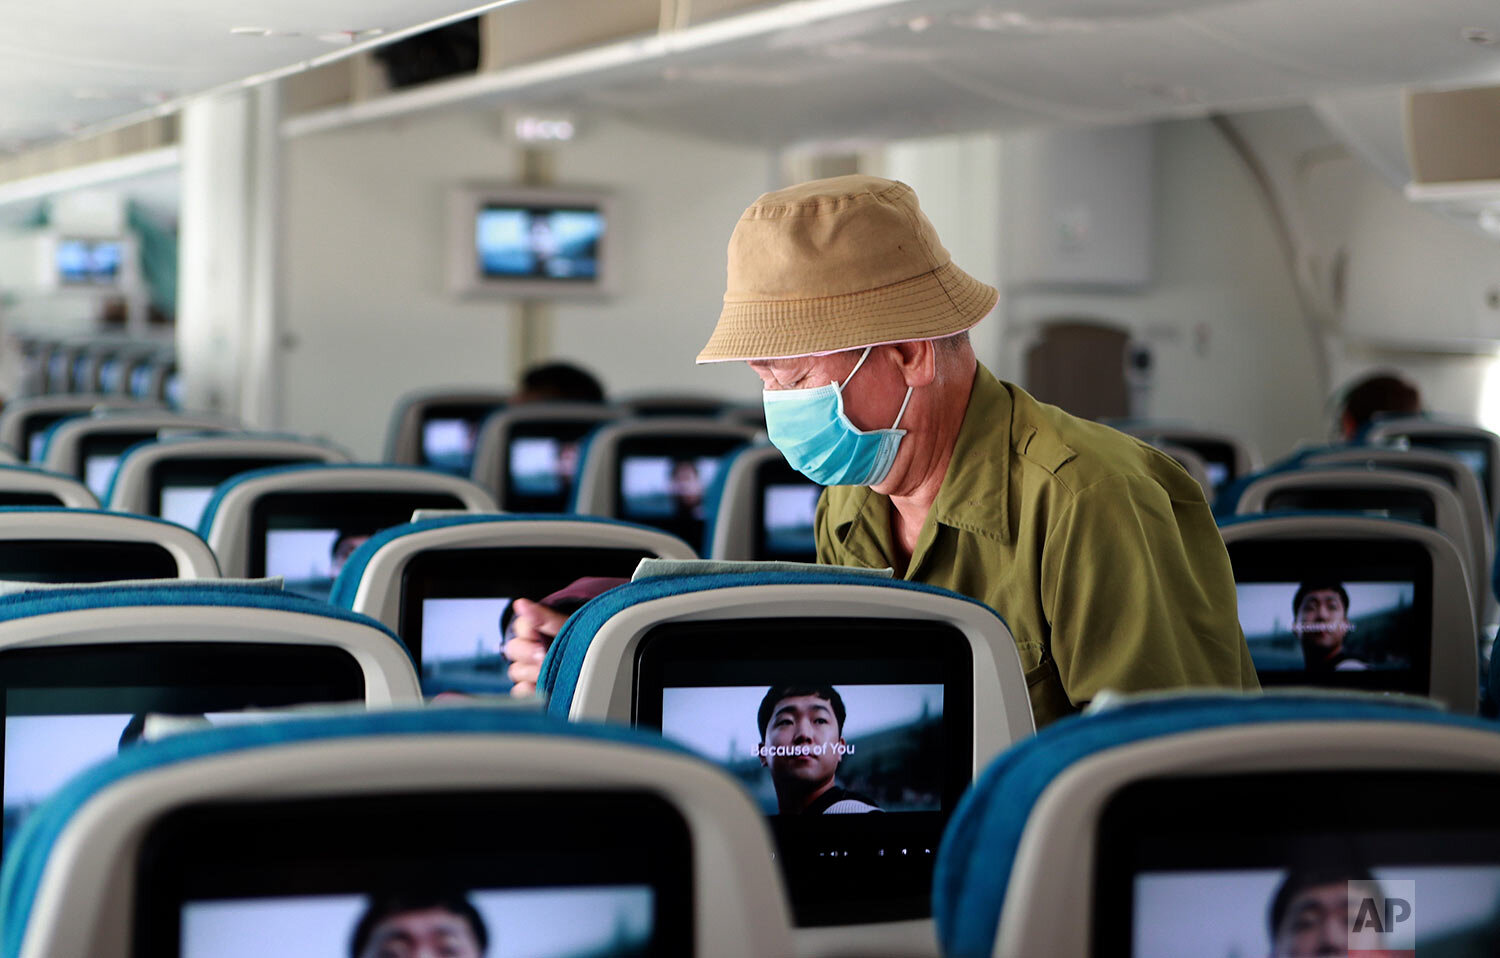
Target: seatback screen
[[1355, 614], [1473, 451], [1322, 863], [182, 488], [67, 708], [449, 432], [662, 482], [457, 605], [542, 465], [306, 537], [785, 513], [854, 736], [408, 874], [1411, 505], [100, 455]]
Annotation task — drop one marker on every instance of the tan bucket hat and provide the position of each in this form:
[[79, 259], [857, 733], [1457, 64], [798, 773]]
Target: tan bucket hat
[[839, 264]]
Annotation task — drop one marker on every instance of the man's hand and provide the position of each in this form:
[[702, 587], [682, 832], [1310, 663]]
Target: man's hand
[[534, 626]]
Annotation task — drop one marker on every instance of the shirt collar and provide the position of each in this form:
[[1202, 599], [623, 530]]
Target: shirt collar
[[975, 494]]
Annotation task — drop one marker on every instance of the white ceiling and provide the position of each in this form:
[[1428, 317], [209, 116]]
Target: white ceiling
[[71, 64], [940, 66]]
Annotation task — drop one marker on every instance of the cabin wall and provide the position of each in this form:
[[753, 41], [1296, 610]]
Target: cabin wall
[[368, 316], [1220, 313]]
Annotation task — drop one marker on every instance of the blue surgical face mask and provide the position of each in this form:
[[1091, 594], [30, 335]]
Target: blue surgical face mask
[[810, 428]]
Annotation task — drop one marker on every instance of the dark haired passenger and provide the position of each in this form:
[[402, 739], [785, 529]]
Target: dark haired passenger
[[344, 547], [557, 382], [802, 743], [1381, 394], [420, 926], [1310, 912], [1322, 623]]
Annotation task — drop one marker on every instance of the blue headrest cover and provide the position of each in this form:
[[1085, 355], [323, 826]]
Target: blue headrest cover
[[979, 846], [346, 586], [564, 661], [27, 856], [713, 496]]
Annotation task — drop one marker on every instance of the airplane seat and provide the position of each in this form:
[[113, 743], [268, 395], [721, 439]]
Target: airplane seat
[[1478, 448], [29, 486], [1195, 464], [302, 522], [89, 447], [1226, 457], [1386, 493], [656, 471], [77, 545], [748, 415], [8, 456], [761, 509], [674, 405], [24, 422], [528, 456], [173, 477], [1405, 623], [1175, 825], [445, 585], [1445, 467], [928, 687], [263, 834], [437, 428]]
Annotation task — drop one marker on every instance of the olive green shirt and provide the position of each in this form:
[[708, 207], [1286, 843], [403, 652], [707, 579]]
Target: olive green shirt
[[1099, 552]]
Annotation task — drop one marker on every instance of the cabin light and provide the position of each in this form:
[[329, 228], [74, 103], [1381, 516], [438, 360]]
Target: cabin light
[[919, 24], [1014, 21], [262, 32], [1489, 220]]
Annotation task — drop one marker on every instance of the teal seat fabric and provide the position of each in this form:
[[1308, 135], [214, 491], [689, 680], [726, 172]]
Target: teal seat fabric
[[346, 586], [26, 859], [564, 662], [979, 846]]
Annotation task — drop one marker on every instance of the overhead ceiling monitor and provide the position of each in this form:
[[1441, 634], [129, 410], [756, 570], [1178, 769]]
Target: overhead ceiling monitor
[[531, 243]]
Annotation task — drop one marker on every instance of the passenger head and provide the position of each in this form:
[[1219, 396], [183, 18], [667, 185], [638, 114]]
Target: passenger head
[[1379, 394], [557, 382], [344, 547], [1321, 619], [420, 926], [687, 484], [1310, 911], [846, 274], [800, 727]]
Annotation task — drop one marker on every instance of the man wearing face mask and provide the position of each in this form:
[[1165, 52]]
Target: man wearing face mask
[[1099, 551]]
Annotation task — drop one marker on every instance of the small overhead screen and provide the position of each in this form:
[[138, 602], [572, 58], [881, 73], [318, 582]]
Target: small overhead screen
[[140, 380], [457, 605], [83, 560], [514, 241], [542, 464], [181, 488], [89, 262], [1354, 614], [100, 455], [1411, 505], [306, 537], [865, 747], [111, 372], [786, 504], [662, 480], [1319, 863], [590, 874], [67, 708], [449, 432]]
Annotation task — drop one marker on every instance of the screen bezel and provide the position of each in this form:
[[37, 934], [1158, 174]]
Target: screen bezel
[[480, 573], [324, 509], [85, 560], [691, 531], [165, 473], [845, 889], [1291, 561], [1356, 501], [319, 846], [774, 472], [561, 430], [1190, 823]]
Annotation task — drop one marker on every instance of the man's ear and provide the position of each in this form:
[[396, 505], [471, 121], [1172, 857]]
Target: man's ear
[[918, 363]]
